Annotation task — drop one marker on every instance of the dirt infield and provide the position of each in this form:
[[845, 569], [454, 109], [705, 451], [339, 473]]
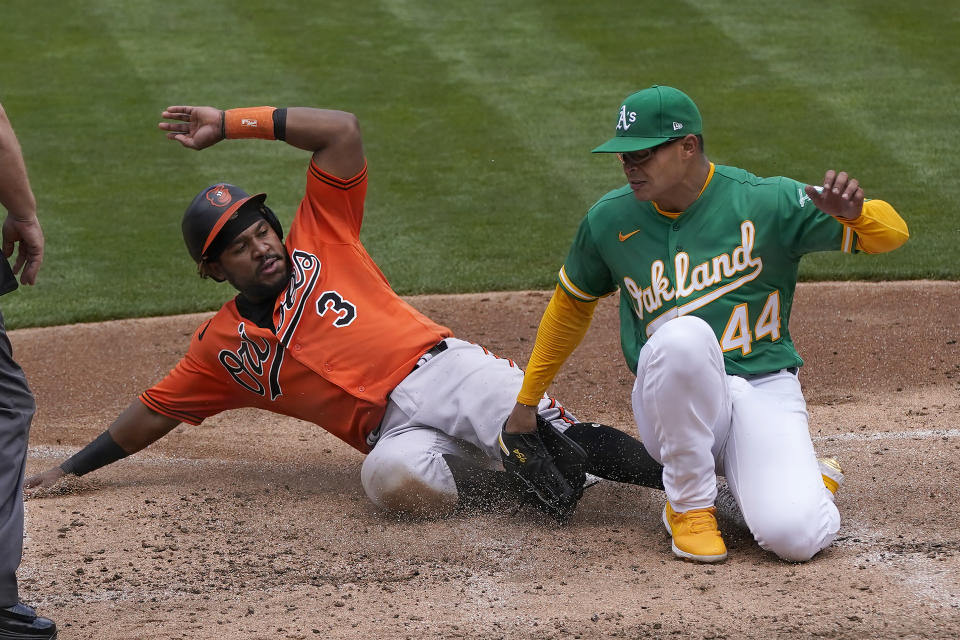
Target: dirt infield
[[255, 526]]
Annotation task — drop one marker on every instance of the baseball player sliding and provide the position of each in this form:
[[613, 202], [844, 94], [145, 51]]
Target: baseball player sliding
[[317, 333], [705, 258]]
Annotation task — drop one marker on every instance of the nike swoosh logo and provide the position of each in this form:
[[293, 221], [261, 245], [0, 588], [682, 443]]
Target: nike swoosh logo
[[624, 237], [205, 327]]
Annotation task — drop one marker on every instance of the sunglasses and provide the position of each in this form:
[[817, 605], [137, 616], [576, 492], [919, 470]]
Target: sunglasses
[[639, 157]]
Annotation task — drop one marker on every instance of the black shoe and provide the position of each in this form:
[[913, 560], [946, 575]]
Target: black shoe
[[21, 622]]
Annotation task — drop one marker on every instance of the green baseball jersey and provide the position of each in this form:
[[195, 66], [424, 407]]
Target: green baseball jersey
[[731, 259]]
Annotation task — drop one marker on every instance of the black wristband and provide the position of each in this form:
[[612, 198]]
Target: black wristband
[[280, 123], [99, 453]]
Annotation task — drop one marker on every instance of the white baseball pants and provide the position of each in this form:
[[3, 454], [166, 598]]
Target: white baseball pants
[[455, 403], [700, 422]]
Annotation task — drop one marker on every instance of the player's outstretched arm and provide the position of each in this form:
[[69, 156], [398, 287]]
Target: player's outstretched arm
[[134, 429], [563, 325], [333, 136]]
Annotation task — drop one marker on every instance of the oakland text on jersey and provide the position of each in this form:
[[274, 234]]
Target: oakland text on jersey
[[691, 281]]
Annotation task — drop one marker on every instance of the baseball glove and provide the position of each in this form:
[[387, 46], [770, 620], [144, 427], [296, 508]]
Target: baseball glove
[[548, 466]]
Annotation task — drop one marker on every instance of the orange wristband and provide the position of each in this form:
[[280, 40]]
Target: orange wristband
[[249, 122]]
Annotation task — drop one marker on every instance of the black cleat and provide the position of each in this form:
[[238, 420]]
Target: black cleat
[[21, 622]]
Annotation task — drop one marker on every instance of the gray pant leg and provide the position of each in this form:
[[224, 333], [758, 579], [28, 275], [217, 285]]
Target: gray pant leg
[[16, 411]]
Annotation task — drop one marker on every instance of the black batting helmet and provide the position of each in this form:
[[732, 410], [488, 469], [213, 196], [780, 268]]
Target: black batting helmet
[[209, 214]]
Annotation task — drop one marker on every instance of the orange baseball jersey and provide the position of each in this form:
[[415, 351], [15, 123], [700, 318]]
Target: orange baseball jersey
[[342, 341]]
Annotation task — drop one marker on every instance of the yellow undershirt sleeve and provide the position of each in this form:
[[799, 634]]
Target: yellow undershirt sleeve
[[562, 327], [879, 228]]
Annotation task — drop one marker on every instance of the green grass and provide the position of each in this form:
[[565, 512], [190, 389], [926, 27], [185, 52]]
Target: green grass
[[477, 122]]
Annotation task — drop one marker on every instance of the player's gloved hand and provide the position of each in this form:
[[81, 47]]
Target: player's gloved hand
[[569, 457], [548, 466]]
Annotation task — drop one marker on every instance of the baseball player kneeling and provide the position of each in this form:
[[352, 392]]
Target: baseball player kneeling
[[705, 257], [317, 333]]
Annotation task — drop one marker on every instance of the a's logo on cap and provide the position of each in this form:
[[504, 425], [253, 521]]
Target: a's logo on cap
[[626, 118], [677, 126], [219, 196]]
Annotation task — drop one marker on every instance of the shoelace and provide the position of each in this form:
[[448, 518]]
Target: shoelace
[[700, 521]]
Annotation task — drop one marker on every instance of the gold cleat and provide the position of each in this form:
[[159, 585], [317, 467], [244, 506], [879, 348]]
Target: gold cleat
[[832, 473], [695, 534]]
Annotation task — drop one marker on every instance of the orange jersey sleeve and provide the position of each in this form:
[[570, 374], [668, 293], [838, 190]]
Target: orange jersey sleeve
[[332, 209], [193, 390], [341, 318]]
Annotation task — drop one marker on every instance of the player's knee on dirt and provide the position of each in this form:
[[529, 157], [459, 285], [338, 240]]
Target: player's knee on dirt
[[794, 533], [414, 487]]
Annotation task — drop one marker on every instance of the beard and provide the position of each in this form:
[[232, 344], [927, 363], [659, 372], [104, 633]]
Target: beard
[[261, 292], [258, 291]]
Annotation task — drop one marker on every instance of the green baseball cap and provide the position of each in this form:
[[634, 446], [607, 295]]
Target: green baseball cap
[[651, 117]]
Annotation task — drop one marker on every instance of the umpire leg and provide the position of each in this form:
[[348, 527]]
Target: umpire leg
[[16, 411]]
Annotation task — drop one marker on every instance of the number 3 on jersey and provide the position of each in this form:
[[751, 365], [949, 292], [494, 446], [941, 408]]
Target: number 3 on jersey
[[345, 311], [737, 333]]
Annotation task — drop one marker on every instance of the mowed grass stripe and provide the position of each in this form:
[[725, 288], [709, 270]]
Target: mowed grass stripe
[[478, 123], [861, 91], [426, 123], [504, 126], [544, 93], [110, 180], [75, 103]]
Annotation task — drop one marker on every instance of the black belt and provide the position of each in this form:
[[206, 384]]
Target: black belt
[[435, 350], [754, 376]]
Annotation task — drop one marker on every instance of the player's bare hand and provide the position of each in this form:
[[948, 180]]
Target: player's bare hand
[[28, 237], [198, 127], [41, 481], [840, 196], [523, 419]]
